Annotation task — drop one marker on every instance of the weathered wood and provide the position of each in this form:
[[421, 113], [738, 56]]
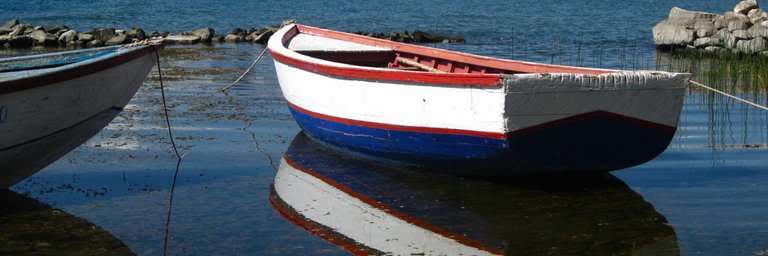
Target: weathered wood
[[413, 63]]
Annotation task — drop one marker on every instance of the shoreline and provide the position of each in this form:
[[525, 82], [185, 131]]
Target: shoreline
[[17, 35]]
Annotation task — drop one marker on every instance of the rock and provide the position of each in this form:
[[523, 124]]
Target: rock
[[687, 18], [42, 38], [4, 39], [155, 34], [669, 34], [85, 37], [741, 34], [756, 16], [720, 23], [707, 41], [95, 43], [205, 34], [5, 31], [118, 39], [423, 37], [17, 30], [758, 30], [38, 35], [11, 23], [103, 34], [119, 32], [251, 36], [182, 39], [233, 38], [728, 40], [713, 48], [752, 46], [69, 36], [737, 21], [704, 33], [218, 39], [263, 37], [238, 32], [55, 28], [745, 6], [137, 33], [21, 42]]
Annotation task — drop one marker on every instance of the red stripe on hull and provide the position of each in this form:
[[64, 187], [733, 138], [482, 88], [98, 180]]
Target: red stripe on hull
[[491, 135], [472, 80]]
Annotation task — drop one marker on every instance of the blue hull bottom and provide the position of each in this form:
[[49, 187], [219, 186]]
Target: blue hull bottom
[[593, 142]]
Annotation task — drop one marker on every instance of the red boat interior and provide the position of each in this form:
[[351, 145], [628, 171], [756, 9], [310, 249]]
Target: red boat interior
[[404, 61], [371, 52]]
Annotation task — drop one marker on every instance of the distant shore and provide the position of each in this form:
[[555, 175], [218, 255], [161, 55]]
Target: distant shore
[[14, 34]]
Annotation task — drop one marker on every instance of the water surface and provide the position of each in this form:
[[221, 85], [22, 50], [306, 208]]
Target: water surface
[[709, 186]]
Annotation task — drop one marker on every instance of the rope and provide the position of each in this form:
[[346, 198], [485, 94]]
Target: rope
[[729, 95], [165, 105], [283, 24], [246, 71], [175, 149]]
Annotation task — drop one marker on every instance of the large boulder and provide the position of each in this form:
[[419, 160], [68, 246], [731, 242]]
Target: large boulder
[[263, 37], [42, 38], [742, 34], [728, 40], [233, 38], [745, 6], [85, 37], [205, 34], [118, 39], [103, 34], [688, 18], [756, 16], [137, 33], [758, 30], [754, 45], [672, 34], [69, 36], [707, 41], [21, 41], [737, 21], [704, 28], [10, 23], [182, 39]]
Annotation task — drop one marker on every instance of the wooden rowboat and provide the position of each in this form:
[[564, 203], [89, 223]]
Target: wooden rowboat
[[52, 103], [442, 108]]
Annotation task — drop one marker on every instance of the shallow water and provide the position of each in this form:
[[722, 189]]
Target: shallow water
[[708, 186]]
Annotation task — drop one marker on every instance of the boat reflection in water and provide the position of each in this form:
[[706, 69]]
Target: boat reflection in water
[[30, 227], [369, 208]]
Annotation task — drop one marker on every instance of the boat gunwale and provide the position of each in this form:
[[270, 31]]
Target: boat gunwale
[[281, 53], [119, 56]]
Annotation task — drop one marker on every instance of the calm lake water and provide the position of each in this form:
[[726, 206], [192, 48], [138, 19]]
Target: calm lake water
[[705, 195]]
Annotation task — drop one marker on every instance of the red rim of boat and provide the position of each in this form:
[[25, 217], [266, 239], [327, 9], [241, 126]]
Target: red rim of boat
[[281, 54]]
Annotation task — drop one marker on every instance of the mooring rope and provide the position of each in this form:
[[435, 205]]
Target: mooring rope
[[246, 71], [175, 150], [283, 24], [729, 95], [165, 105]]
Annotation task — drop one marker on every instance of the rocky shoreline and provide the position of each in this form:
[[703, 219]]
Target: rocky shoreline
[[744, 30], [14, 34]]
